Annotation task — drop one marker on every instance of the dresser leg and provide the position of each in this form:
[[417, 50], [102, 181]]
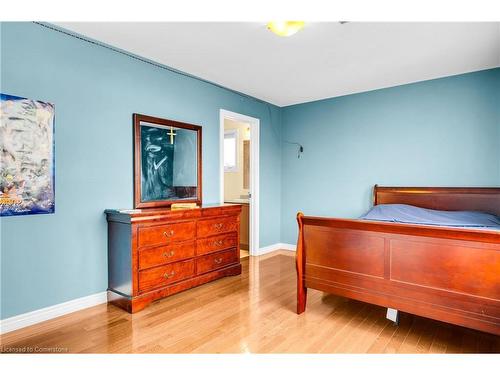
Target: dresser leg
[[233, 271], [138, 304], [119, 300], [131, 305]]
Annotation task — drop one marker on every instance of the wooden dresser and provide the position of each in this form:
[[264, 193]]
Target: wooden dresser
[[153, 253]]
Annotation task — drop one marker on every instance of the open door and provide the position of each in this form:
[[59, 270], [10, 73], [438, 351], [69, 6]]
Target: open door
[[239, 173]]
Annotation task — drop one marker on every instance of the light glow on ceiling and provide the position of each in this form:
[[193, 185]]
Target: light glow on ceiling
[[285, 28]]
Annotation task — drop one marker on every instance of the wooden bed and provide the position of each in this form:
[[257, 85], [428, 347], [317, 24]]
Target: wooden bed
[[443, 273]]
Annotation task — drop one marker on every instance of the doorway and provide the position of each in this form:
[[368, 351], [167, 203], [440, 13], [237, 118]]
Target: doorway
[[239, 174]]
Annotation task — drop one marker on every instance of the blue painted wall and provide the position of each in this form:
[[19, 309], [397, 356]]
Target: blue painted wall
[[433, 133], [51, 259]]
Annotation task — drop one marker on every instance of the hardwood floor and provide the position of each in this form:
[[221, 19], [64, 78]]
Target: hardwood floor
[[250, 313]]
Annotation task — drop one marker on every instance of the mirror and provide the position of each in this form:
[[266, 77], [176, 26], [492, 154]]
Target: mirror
[[167, 158]]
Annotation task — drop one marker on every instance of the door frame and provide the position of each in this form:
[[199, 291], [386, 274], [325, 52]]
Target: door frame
[[254, 171]]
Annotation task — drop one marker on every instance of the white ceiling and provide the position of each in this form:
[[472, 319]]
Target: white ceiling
[[323, 60]]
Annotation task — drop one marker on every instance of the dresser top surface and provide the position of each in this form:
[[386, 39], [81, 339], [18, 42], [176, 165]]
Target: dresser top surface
[[166, 212]]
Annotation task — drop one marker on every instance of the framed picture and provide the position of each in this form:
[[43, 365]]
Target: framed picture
[[167, 162], [27, 167]]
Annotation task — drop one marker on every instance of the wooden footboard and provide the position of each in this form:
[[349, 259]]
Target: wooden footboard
[[452, 275]]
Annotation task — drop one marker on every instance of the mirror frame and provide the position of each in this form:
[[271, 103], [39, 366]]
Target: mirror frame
[[137, 119]]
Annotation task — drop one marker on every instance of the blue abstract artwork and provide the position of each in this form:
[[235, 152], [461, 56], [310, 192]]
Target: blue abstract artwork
[[27, 165]]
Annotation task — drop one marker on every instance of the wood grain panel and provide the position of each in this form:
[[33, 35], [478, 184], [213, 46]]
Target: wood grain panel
[[153, 278], [157, 256], [441, 198], [216, 243], [379, 291], [346, 250], [462, 269], [162, 234], [212, 227], [207, 263]]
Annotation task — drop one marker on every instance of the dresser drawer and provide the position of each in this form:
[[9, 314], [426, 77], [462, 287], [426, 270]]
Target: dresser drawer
[[167, 233], [214, 226], [207, 263], [160, 276], [216, 243], [166, 254]]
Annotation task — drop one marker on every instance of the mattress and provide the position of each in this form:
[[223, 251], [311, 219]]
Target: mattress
[[403, 213]]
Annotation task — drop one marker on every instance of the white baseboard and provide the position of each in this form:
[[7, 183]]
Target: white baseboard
[[51, 312], [276, 246], [288, 246]]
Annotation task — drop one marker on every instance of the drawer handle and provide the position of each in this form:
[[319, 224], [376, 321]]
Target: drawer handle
[[169, 254], [218, 260], [218, 226], [169, 233], [218, 243], [167, 275]]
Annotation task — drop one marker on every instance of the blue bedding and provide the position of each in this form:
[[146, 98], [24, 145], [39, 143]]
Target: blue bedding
[[403, 213]]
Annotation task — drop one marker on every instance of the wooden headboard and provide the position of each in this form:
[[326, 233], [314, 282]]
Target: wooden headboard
[[441, 198]]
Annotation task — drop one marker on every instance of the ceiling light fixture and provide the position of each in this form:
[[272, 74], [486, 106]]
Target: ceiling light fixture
[[285, 28]]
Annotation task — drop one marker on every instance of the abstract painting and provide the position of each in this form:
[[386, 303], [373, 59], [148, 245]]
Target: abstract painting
[[27, 156], [157, 163]]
